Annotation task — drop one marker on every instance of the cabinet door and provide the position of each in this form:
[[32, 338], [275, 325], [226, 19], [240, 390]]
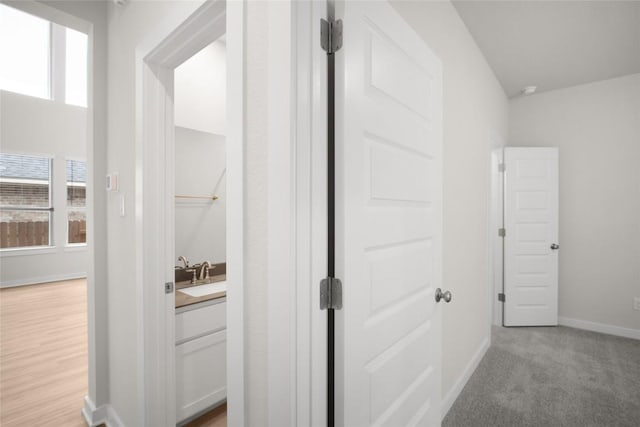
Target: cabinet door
[[200, 321], [201, 374]]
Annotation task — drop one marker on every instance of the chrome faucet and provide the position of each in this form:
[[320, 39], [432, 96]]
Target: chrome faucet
[[184, 260], [204, 272]]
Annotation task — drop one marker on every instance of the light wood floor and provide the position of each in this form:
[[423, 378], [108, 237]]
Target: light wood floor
[[214, 418], [43, 354]]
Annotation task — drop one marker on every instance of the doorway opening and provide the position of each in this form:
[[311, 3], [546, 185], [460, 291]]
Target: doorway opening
[[200, 236], [191, 145], [47, 238]]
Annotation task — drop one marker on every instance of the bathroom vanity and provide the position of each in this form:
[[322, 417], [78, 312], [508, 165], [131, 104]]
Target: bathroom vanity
[[201, 346]]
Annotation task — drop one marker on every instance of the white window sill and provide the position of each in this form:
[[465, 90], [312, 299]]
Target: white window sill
[[75, 247], [8, 252]]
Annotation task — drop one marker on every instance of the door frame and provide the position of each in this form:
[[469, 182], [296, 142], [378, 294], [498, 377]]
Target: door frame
[[496, 221], [95, 402], [297, 347], [156, 58]]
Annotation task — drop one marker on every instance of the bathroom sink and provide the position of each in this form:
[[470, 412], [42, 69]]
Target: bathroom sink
[[185, 274], [202, 290]]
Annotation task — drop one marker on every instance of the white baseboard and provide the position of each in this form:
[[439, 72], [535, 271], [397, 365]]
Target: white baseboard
[[92, 415], [452, 395], [104, 414], [600, 327], [42, 279], [113, 420]]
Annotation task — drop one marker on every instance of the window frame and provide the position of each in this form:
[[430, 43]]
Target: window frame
[[69, 209], [24, 250]]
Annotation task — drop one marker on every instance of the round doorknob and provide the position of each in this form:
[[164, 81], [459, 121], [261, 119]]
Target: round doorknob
[[446, 296], [555, 246]]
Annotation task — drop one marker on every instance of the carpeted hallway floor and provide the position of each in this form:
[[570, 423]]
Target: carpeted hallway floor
[[554, 376]]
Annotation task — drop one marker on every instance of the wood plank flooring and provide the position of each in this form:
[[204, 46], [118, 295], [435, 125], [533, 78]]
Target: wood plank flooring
[[43, 354], [215, 418]]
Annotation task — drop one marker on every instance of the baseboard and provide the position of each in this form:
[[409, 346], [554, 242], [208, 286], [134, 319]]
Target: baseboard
[[452, 395], [600, 327], [42, 279], [94, 416], [113, 420], [104, 414]]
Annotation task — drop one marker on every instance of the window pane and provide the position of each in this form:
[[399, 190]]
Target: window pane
[[24, 228], [24, 180], [76, 68], [77, 227], [76, 183], [24, 53]]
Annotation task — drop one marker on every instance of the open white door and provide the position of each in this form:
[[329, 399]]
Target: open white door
[[389, 221], [531, 241]]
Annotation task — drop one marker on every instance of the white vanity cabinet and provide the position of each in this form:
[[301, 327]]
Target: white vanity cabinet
[[201, 357]]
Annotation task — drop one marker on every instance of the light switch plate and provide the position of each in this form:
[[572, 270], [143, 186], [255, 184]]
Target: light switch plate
[[112, 182], [636, 303]]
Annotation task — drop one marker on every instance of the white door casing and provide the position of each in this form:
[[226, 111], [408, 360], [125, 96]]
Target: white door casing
[[531, 223], [389, 221]]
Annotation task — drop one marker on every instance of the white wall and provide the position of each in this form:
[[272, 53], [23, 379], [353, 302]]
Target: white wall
[[475, 120], [43, 127], [597, 129], [200, 90], [201, 171]]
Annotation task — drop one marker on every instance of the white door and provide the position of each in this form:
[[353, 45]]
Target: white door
[[389, 221], [531, 241]]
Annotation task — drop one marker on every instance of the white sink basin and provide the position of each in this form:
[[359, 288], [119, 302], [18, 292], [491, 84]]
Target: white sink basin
[[202, 290]]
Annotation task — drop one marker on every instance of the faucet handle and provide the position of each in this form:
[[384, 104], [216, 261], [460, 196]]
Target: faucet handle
[[184, 260]]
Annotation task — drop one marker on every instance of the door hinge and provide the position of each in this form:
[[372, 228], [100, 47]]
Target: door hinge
[[168, 287], [331, 35], [502, 232], [501, 167], [330, 293], [501, 297]]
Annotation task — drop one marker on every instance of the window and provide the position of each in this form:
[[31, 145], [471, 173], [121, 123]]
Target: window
[[25, 48], [76, 202], [76, 68], [25, 201], [34, 50]]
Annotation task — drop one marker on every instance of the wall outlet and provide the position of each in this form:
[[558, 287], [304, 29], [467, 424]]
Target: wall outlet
[[636, 303]]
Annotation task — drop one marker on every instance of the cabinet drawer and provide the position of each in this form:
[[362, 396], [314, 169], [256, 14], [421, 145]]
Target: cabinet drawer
[[201, 321], [201, 374]]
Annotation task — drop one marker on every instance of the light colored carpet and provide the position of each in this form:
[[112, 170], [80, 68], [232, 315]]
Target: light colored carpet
[[552, 376]]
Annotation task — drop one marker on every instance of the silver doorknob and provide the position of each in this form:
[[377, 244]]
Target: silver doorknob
[[555, 246], [443, 295]]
